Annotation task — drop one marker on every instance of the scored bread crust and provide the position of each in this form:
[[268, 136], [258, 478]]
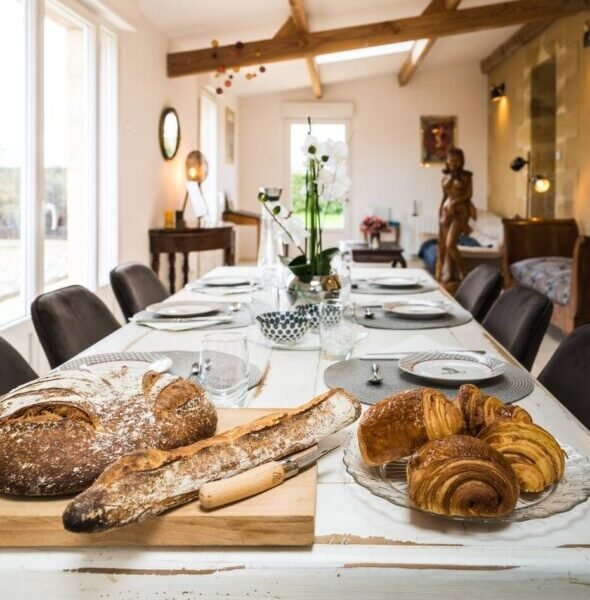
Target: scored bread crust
[[147, 483], [59, 432]]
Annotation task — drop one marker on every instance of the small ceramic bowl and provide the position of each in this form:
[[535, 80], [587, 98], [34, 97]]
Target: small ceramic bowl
[[313, 314], [283, 327]]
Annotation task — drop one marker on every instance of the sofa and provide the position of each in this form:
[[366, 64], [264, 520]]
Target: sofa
[[550, 256]]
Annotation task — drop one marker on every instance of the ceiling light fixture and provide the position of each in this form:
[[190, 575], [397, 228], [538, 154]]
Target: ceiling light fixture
[[334, 57], [498, 92]]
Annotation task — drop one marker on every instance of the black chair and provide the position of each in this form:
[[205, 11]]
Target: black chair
[[567, 374], [519, 320], [70, 320], [136, 286], [479, 290], [14, 369]]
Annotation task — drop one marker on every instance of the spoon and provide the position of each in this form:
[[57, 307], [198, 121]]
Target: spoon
[[375, 378], [234, 306], [369, 314]]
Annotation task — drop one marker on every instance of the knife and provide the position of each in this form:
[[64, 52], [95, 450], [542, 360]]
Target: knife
[[183, 320], [259, 479]]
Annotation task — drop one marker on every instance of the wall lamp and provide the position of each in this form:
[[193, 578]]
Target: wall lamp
[[538, 183], [498, 92], [197, 169]]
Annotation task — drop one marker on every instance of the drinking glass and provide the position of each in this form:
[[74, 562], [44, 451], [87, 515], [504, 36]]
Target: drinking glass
[[225, 368], [338, 329]]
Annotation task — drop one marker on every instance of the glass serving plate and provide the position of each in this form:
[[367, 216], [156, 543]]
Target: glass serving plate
[[389, 482]]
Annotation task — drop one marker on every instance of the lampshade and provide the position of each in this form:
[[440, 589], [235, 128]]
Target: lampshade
[[541, 184], [498, 92], [197, 167], [518, 163]]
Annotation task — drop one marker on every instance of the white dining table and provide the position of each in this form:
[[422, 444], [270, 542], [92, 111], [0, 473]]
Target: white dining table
[[365, 547]]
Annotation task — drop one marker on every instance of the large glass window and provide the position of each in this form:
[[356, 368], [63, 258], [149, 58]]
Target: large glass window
[[67, 193], [58, 201], [333, 212], [12, 159]]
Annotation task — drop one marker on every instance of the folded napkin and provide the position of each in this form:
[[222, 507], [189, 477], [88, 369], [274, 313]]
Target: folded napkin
[[180, 326]]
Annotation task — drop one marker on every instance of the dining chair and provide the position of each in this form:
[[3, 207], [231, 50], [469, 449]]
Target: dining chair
[[136, 286], [14, 369], [479, 290], [69, 320], [519, 320], [567, 374]]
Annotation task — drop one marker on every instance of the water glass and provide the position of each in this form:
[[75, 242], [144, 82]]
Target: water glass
[[338, 329], [225, 368]]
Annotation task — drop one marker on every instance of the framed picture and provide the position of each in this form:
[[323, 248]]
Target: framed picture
[[437, 136], [230, 136]]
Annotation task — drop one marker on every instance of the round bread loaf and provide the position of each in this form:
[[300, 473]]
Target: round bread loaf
[[58, 433]]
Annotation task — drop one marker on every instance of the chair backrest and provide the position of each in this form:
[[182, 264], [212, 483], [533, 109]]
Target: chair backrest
[[136, 286], [69, 320], [519, 320], [567, 374], [479, 290], [14, 369]]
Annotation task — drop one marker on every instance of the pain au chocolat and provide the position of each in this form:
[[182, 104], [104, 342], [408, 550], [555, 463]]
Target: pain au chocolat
[[400, 424]]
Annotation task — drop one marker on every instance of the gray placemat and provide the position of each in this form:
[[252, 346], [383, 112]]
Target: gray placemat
[[183, 360], [363, 287], [387, 320], [352, 375]]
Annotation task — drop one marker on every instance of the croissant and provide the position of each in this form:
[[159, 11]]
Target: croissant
[[400, 424], [461, 476], [534, 454], [479, 410]]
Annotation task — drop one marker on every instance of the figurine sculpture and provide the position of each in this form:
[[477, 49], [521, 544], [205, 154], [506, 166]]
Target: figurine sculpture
[[455, 211]]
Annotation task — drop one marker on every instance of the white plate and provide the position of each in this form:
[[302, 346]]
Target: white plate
[[396, 282], [417, 309], [230, 281], [182, 309], [457, 367]]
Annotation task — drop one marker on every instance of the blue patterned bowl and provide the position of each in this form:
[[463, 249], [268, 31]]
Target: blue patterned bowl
[[313, 313], [283, 327]]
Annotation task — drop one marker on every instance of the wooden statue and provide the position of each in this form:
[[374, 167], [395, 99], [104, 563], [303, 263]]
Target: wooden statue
[[455, 211]]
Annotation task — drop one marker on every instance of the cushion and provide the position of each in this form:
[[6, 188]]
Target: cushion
[[550, 275]]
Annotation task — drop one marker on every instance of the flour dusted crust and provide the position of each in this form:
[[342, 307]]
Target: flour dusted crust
[[59, 432], [147, 483]]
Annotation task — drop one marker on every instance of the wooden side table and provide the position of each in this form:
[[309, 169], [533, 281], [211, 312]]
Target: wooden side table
[[172, 241], [387, 252], [243, 217]]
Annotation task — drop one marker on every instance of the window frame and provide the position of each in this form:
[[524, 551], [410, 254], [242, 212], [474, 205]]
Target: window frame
[[102, 187], [346, 121]]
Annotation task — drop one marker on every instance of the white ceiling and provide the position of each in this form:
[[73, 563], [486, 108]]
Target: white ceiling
[[192, 24]]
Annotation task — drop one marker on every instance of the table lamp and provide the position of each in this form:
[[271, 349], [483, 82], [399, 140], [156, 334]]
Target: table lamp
[[197, 169]]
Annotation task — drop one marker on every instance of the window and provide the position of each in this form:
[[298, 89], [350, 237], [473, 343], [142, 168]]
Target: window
[[65, 190], [333, 213], [208, 144], [12, 159]]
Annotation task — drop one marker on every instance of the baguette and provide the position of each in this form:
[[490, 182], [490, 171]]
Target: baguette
[[147, 483]]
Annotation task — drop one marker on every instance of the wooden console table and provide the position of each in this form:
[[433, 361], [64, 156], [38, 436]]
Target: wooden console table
[[172, 241], [243, 217]]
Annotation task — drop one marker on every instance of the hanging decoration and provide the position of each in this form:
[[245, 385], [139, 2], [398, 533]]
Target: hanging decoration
[[224, 71]]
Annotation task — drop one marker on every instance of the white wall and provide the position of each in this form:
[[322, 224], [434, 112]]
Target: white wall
[[384, 140]]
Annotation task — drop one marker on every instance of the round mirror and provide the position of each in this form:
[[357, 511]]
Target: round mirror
[[169, 133]]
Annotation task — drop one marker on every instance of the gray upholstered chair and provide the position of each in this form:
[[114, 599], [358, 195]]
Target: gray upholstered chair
[[69, 320], [14, 369]]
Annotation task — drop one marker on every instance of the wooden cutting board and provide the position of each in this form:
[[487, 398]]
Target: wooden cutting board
[[283, 516]]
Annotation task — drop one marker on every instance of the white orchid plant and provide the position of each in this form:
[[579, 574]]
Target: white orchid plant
[[326, 182]]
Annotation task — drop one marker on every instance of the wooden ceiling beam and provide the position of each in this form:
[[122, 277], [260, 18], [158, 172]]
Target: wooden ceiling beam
[[433, 25], [421, 48], [299, 17], [521, 38]]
